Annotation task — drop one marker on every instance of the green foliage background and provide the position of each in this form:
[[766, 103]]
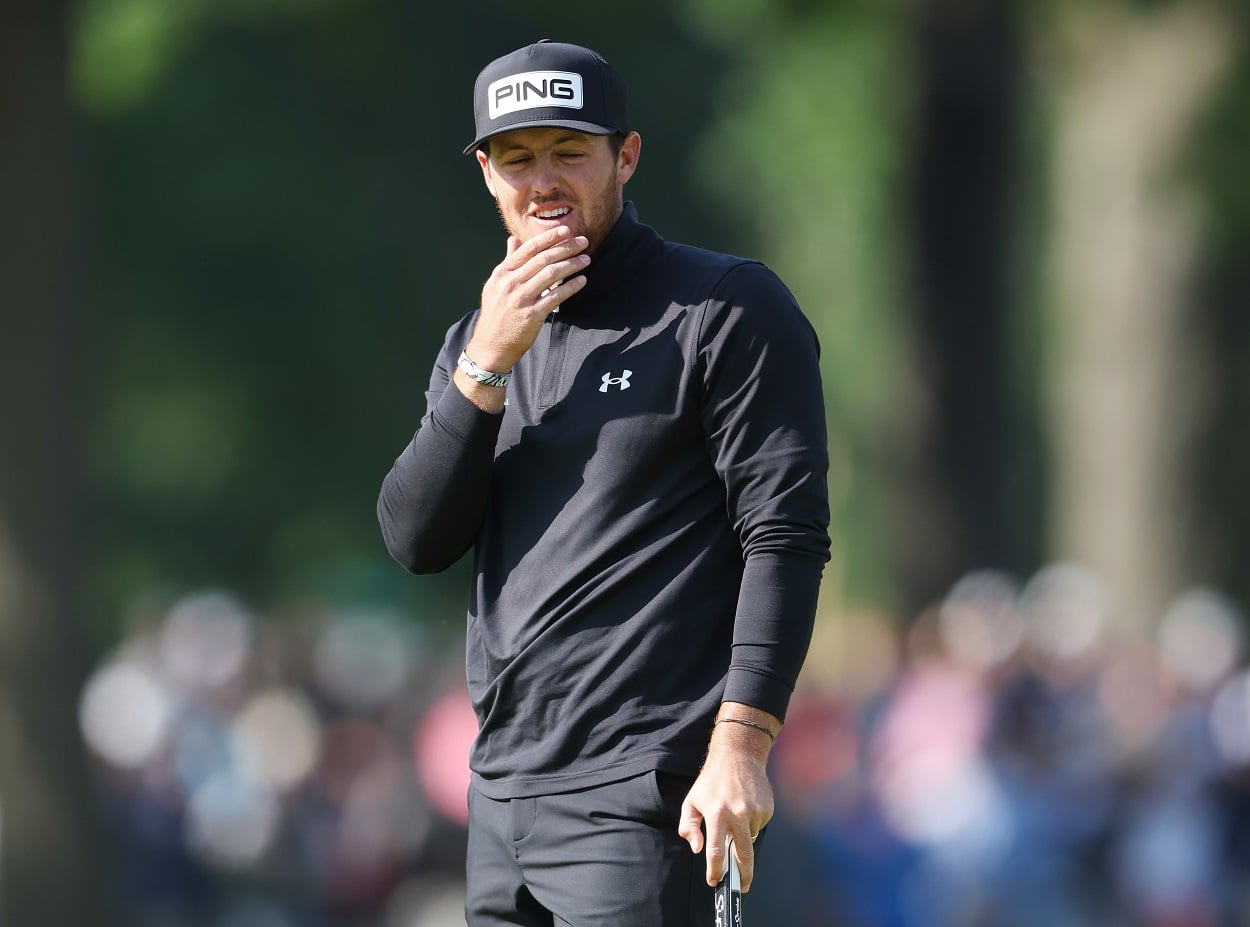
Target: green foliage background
[[282, 227]]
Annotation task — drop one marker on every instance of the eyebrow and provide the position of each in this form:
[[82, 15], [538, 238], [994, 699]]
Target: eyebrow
[[559, 140]]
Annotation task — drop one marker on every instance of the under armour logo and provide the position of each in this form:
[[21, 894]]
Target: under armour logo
[[622, 380]]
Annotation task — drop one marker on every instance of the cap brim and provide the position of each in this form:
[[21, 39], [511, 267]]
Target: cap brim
[[590, 128]]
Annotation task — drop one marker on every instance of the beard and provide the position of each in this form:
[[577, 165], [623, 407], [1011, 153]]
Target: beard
[[597, 217]]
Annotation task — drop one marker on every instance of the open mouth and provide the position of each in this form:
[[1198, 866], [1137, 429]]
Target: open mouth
[[550, 214]]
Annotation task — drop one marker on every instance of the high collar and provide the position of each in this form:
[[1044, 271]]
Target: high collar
[[627, 248]]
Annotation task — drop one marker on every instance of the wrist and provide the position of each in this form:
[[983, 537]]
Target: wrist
[[487, 354], [744, 730], [750, 716], [483, 375], [755, 726], [731, 743]]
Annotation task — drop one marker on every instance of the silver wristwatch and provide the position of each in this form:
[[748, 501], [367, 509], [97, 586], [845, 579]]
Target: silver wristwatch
[[477, 374]]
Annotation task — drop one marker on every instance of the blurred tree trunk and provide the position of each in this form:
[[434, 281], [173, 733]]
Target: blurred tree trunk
[[47, 870], [1126, 87], [1224, 447], [964, 176]]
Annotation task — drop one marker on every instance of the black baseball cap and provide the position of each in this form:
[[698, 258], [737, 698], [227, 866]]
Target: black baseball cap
[[548, 84]]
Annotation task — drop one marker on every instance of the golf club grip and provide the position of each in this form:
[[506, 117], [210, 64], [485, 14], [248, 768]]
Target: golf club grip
[[729, 893]]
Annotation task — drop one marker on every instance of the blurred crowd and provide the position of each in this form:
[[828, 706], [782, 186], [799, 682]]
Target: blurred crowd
[[307, 769], [1022, 755], [1019, 754]]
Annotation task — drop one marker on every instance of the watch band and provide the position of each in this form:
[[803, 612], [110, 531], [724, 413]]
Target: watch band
[[478, 375]]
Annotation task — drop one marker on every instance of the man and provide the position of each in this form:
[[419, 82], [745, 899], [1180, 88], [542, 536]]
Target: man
[[629, 433]]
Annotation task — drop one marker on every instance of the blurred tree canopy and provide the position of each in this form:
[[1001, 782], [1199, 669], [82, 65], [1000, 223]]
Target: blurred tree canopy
[[286, 227], [283, 227]]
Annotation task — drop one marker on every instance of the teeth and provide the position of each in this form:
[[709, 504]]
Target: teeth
[[553, 213]]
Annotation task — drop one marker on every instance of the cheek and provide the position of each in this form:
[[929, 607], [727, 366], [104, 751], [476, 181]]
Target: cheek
[[503, 187], [506, 197]]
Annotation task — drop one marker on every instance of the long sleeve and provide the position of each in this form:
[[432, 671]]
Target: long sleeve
[[764, 419], [648, 518], [433, 500]]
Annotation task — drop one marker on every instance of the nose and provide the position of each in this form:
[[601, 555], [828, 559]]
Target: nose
[[546, 176]]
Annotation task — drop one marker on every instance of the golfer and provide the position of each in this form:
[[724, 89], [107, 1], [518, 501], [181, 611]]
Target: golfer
[[629, 435]]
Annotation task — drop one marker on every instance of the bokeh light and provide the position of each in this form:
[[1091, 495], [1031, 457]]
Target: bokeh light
[[443, 740], [1066, 609], [280, 735], [363, 656], [125, 713], [206, 640], [980, 619], [1200, 638]]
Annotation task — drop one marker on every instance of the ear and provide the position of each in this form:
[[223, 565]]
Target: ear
[[483, 159], [627, 160]]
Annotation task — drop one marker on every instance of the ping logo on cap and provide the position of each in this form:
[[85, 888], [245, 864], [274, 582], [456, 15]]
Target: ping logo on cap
[[532, 89]]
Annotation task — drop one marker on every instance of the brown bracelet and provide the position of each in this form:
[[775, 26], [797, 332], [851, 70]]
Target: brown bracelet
[[759, 727]]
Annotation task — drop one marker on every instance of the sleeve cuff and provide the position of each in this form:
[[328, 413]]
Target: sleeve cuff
[[461, 417], [763, 692]]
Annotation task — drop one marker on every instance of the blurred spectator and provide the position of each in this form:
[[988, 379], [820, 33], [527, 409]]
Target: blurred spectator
[[260, 773], [1012, 757]]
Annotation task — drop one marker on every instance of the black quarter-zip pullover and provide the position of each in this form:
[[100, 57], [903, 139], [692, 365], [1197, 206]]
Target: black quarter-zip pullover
[[649, 516]]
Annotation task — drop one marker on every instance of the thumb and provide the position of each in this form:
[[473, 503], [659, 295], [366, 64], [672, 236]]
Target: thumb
[[513, 243], [691, 826]]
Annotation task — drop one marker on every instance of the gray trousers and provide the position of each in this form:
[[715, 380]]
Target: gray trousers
[[609, 856]]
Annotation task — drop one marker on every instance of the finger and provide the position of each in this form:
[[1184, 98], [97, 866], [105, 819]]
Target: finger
[[526, 275], [554, 263], [551, 275], [525, 281], [716, 859], [744, 852], [555, 295], [525, 251], [519, 252], [691, 826]]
